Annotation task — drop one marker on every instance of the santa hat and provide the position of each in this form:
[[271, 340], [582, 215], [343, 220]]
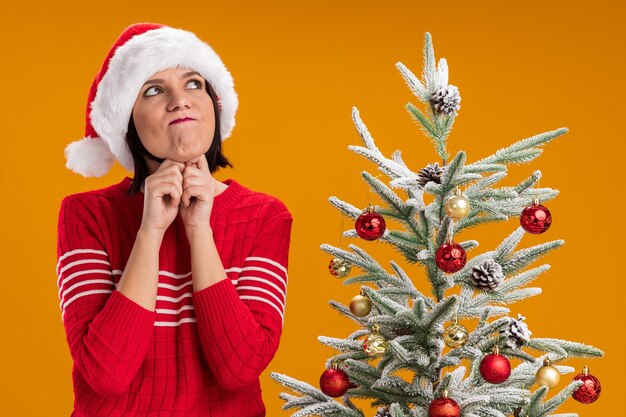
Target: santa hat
[[140, 51]]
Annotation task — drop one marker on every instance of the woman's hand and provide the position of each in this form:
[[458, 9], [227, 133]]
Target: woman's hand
[[199, 188], [163, 191]]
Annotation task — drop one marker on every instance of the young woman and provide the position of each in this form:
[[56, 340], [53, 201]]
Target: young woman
[[172, 284]]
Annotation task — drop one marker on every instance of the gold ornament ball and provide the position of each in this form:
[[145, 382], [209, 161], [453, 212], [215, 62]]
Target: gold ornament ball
[[339, 268], [457, 207], [455, 335], [375, 345], [360, 305], [548, 375]]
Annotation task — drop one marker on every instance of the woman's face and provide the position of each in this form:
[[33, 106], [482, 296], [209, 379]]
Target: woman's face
[[174, 115]]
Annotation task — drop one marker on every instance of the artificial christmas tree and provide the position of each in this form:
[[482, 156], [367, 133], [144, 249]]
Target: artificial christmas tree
[[402, 329]]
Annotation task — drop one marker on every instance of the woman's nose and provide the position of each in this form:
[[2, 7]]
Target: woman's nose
[[178, 101]]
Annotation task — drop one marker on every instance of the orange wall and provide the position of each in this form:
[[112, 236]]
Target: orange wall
[[522, 68]]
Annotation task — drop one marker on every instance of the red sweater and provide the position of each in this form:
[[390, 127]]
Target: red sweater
[[200, 353]]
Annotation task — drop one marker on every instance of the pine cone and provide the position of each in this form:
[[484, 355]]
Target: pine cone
[[383, 412], [517, 332], [446, 100], [432, 172], [488, 275]]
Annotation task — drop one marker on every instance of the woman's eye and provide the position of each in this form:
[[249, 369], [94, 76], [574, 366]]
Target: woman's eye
[[152, 91], [197, 83]]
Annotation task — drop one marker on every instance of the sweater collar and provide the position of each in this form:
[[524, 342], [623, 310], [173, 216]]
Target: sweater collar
[[221, 202]]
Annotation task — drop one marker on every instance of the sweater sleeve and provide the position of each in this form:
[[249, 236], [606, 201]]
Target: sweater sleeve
[[108, 334], [240, 326]]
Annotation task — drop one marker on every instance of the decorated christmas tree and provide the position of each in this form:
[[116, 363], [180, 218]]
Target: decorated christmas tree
[[412, 355]]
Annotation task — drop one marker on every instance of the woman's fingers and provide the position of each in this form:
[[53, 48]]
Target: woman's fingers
[[195, 173], [199, 162], [171, 162], [191, 192], [202, 163], [170, 171], [192, 185], [169, 188], [163, 194], [187, 195]]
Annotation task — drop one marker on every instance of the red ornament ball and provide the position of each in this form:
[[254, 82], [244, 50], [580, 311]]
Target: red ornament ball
[[535, 219], [450, 257], [444, 407], [495, 368], [370, 225], [334, 382], [589, 391]]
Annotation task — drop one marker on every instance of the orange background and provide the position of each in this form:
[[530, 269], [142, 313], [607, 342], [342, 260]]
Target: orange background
[[521, 68]]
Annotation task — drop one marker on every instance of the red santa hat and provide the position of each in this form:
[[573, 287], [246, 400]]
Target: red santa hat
[[140, 51]]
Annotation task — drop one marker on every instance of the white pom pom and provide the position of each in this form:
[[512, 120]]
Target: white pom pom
[[89, 157]]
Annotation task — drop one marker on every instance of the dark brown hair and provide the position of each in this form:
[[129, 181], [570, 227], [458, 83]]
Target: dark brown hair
[[214, 155]]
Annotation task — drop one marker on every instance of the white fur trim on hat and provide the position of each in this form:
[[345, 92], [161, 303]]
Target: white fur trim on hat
[[90, 157]]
